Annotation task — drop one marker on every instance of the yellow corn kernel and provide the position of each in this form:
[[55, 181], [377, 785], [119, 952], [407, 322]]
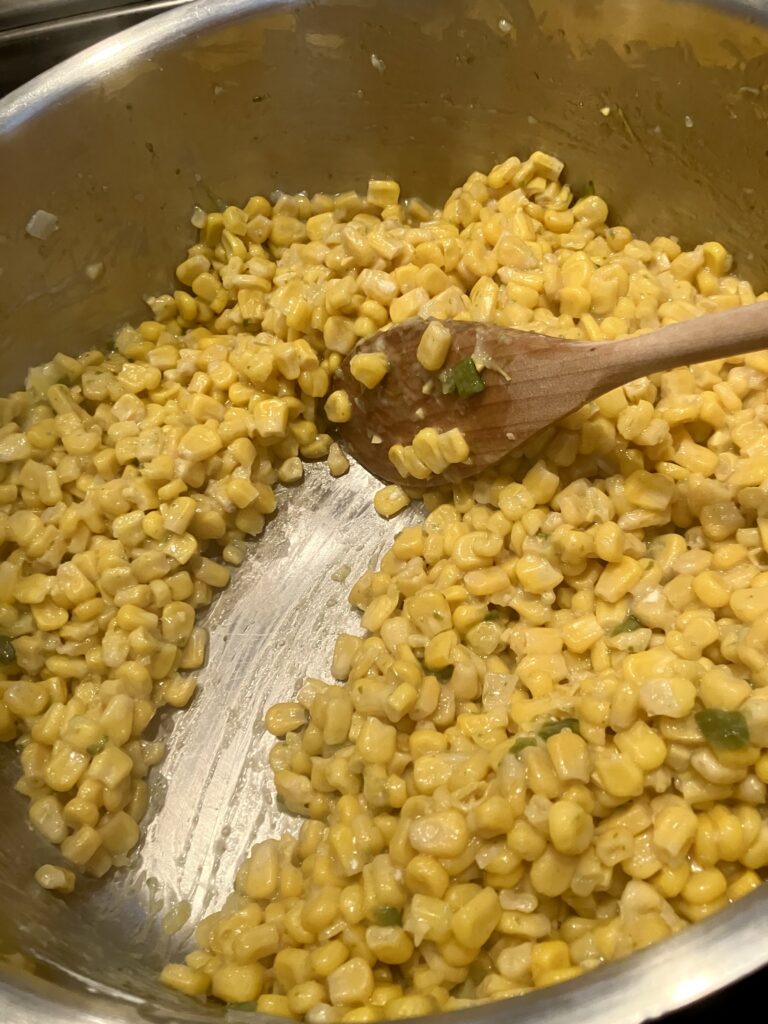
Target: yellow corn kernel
[[284, 718], [425, 875], [118, 832], [325, 959], [704, 887], [443, 834], [55, 879], [270, 417], [110, 767], [199, 443], [369, 368], [552, 872], [650, 491], [570, 827], [390, 944], [390, 500], [384, 192], [338, 463], [238, 983], [710, 590], [185, 980], [716, 258], [408, 1006], [275, 1006], [644, 745], [609, 542], [674, 829], [81, 845], [673, 697], [433, 347], [547, 957], [618, 774], [743, 884], [474, 923], [338, 407], [257, 942], [351, 984], [363, 1014], [536, 574], [617, 579], [493, 816], [569, 755]]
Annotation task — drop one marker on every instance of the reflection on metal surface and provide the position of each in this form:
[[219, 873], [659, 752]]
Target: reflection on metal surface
[[634, 31], [206, 103], [692, 987]]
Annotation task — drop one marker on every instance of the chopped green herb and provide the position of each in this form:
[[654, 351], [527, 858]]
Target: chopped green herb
[[627, 626], [387, 916], [556, 726], [7, 651], [493, 615], [443, 673], [467, 378], [525, 741], [589, 189], [725, 729], [96, 748]]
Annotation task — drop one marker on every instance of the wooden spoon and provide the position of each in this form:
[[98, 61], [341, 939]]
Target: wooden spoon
[[530, 382]]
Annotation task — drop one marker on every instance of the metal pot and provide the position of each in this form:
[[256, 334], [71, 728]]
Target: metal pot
[[662, 104]]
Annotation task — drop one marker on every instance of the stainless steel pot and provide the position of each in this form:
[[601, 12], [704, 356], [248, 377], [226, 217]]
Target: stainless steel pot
[[662, 104]]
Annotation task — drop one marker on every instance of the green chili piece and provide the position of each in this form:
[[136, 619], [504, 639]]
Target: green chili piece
[[525, 741], [727, 730], [627, 626], [387, 916], [554, 727], [467, 378], [7, 651]]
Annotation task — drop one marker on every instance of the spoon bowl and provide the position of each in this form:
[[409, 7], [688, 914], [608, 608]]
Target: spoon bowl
[[529, 382]]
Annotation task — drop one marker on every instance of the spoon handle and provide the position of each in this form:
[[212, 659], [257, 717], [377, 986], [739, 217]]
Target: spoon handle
[[714, 336]]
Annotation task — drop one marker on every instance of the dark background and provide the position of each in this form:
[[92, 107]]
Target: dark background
[[34, 35]]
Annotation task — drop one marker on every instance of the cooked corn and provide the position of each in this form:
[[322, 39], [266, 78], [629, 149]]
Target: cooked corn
[[551, 746]]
